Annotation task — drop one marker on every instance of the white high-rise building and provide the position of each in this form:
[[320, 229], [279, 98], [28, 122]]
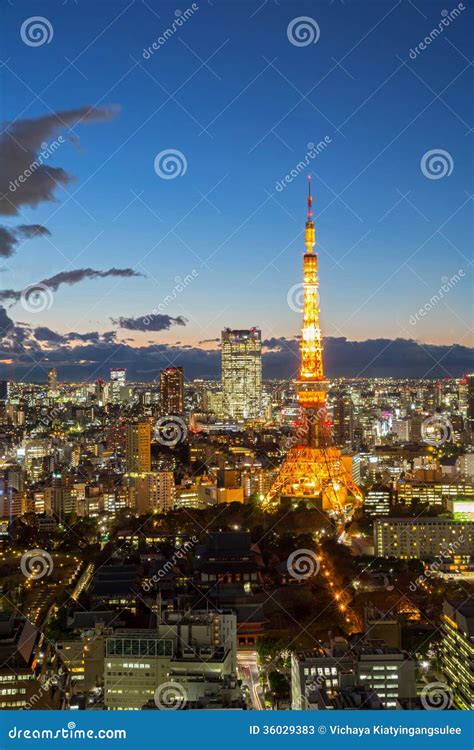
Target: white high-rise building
[[242, 373], [118, 379]]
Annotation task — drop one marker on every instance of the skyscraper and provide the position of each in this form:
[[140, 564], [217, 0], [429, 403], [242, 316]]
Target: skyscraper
[[172, 390], [470, 404], [138, 447], [314, 469], [118, 379], [241, 357], [53, 380], [343, 420]]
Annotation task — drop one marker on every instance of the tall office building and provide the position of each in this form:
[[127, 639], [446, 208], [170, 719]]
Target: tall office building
[[172, 390], [53, 380], [118, 379], [457, 650], [152, 492], [242, 373], [138, 447], [470, 404], [343, 420], [4, 388]]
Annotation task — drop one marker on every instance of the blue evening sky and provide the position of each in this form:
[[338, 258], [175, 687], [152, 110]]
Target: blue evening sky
[[241, 102]]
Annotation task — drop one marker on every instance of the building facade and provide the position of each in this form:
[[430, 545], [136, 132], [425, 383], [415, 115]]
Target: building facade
[[423, 538], [172, 390], [241, 355]]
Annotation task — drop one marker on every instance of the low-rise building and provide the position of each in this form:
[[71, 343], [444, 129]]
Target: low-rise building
[[423, 538], [389, 672]]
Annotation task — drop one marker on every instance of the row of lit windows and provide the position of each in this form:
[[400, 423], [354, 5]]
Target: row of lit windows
[[12, 691]]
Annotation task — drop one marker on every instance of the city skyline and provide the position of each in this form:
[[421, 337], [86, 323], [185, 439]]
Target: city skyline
[[155, 268]]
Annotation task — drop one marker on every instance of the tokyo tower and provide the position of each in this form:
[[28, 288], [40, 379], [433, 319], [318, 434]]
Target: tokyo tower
[[314, 469]]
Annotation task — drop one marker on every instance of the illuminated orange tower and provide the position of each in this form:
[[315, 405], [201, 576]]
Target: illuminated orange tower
[[314, 469]]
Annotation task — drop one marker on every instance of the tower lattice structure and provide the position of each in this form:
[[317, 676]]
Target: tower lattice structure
[[314, 469]]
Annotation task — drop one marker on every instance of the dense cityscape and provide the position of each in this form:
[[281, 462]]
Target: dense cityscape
[[236, 374], [240, 543]]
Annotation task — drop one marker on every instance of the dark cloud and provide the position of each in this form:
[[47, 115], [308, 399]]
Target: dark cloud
[[77, 359], [149, 322], [42, 333], [31, 230], [9, 238], [79, 274], [209, 341], [7, 242], [6, 323], [278, 343], [70, 278], [90, 355], [27, 147]]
